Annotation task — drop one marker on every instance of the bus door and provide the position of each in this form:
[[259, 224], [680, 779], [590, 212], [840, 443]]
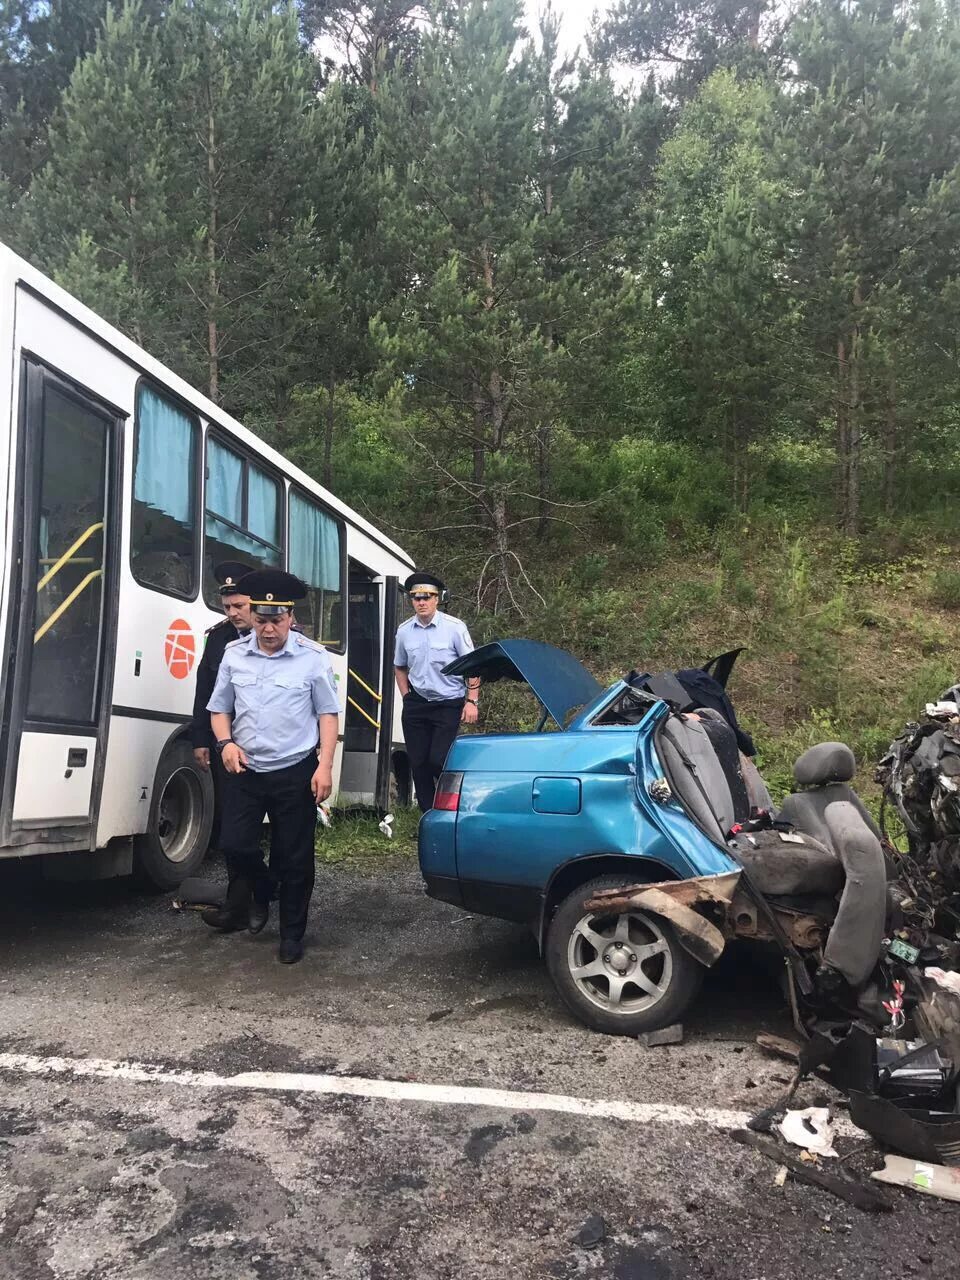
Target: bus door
[[63, 614], [358, 778]]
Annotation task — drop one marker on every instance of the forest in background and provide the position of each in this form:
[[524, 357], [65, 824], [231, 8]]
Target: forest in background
[[647, 372]]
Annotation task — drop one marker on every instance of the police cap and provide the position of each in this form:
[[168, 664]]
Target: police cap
[[422, 581], [272, 591], [228, 573]]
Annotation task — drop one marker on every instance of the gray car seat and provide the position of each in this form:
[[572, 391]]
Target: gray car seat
[[833, 814], [696, 774]]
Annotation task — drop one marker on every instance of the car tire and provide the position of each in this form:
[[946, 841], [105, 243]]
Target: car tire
[[669, 968], [181, 818]]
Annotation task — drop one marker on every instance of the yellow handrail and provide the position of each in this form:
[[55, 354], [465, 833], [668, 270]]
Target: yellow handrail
[[65, 604], [375, 723], [363, 685], [67, 554]]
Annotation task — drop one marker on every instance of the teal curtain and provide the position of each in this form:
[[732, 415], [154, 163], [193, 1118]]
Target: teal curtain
[[224, 482], [166, 444], [263, 506], [314, 553]]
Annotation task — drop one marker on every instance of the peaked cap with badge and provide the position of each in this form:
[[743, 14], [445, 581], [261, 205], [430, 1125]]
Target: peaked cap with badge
[[272, 591], [228, 573], [419, 580]]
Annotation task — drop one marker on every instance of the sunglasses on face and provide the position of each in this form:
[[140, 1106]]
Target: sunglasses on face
[[424, 595]]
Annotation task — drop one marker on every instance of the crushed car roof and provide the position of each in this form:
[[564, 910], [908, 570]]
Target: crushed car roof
[[555, 676]]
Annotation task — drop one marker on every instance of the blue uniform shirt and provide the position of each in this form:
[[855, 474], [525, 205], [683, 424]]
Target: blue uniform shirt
[[426, 649], [275, 698]]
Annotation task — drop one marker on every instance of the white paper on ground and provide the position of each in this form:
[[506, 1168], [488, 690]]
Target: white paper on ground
[[810, 1128]]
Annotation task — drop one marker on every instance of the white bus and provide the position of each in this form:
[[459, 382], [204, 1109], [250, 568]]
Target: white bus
[[124, 487]]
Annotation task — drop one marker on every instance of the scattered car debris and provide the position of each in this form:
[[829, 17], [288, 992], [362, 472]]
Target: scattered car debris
[[811, 1129], [666, 1035], [838, 1184], [197, 894], [919, 1175], [949, 981], [592, 1233], [779, 1046]]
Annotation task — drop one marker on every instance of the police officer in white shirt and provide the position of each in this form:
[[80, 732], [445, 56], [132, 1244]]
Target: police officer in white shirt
[[434, 705], [274, 698]]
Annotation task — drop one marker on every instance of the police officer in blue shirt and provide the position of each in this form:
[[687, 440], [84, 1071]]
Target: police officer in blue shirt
[[274, 695], [434, 705]]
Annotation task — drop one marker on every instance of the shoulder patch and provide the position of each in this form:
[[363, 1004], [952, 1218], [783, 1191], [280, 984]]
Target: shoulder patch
[[218, 626]]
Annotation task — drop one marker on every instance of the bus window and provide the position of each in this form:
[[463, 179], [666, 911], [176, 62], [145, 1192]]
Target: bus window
[[315, 555], [242, 515], [163, 546]]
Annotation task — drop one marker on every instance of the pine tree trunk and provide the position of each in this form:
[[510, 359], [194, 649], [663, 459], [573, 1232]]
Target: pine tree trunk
[[851, 523], [213, 335], [843, 435], [544, 433], [326, 475], [890, 439], [502, 593], [479, 434]]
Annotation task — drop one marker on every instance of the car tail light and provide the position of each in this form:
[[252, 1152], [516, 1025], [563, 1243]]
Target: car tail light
[[448, 792]]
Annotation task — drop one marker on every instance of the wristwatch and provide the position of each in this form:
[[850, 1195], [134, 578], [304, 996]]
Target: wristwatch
[[473, 700], [224, 742]]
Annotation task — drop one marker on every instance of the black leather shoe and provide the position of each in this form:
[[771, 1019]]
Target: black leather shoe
[[259, 915], [291, 950], [235, 912]]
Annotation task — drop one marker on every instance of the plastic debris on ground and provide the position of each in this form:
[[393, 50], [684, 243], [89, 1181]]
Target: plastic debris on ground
[[810, 1129], [920, 1175], [592, 1233], [949, 981], [385, 826], [666, 1035]]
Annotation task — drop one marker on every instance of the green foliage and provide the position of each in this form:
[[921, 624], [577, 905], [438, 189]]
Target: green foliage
[[355, 838], [643, 374], [945, 589]]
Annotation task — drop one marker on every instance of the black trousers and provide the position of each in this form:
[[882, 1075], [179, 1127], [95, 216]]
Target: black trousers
[[429, 729], [284, 796], [263, 885]]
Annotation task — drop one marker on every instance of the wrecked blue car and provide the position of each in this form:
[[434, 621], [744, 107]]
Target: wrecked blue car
[[636, 839]]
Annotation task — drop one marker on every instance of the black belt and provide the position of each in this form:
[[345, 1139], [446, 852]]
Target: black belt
[[432, 702]]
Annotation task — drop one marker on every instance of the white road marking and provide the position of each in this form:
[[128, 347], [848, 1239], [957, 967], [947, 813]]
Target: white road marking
[[390, 1090]]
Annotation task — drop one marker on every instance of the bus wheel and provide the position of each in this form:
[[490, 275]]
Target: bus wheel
[[181, 817]]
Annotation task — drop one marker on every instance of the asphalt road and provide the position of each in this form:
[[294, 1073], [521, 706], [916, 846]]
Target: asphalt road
[[179, 1176]]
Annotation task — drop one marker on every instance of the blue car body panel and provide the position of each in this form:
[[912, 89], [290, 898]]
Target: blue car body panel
[[533, 803]]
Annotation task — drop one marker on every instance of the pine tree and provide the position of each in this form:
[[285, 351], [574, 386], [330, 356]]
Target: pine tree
[[98, 215], [494, 320], [872, 147], [683, 42], [722, 346]]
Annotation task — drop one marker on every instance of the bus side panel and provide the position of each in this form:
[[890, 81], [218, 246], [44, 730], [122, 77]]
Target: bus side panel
[[9, 385], [135, 748]]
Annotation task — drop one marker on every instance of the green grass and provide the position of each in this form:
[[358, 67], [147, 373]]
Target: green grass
[[354, 838]]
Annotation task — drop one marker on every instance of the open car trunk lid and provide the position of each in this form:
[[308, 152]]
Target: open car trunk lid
[[556, 677]]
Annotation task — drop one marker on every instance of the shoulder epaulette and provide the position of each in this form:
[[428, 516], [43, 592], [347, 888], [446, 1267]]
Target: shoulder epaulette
[[224, 622], [232, 644], [307, 643]]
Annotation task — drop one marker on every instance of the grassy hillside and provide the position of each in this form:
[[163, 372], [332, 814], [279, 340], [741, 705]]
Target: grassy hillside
[[845, 640]]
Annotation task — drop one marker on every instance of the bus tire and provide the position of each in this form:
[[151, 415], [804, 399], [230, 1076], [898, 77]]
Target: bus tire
[[181, 818]]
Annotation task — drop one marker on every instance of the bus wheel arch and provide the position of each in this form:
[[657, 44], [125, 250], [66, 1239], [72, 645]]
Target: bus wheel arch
[[180, 821]]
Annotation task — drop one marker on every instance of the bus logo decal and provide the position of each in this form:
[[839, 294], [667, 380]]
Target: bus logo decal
[[180, 651]]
